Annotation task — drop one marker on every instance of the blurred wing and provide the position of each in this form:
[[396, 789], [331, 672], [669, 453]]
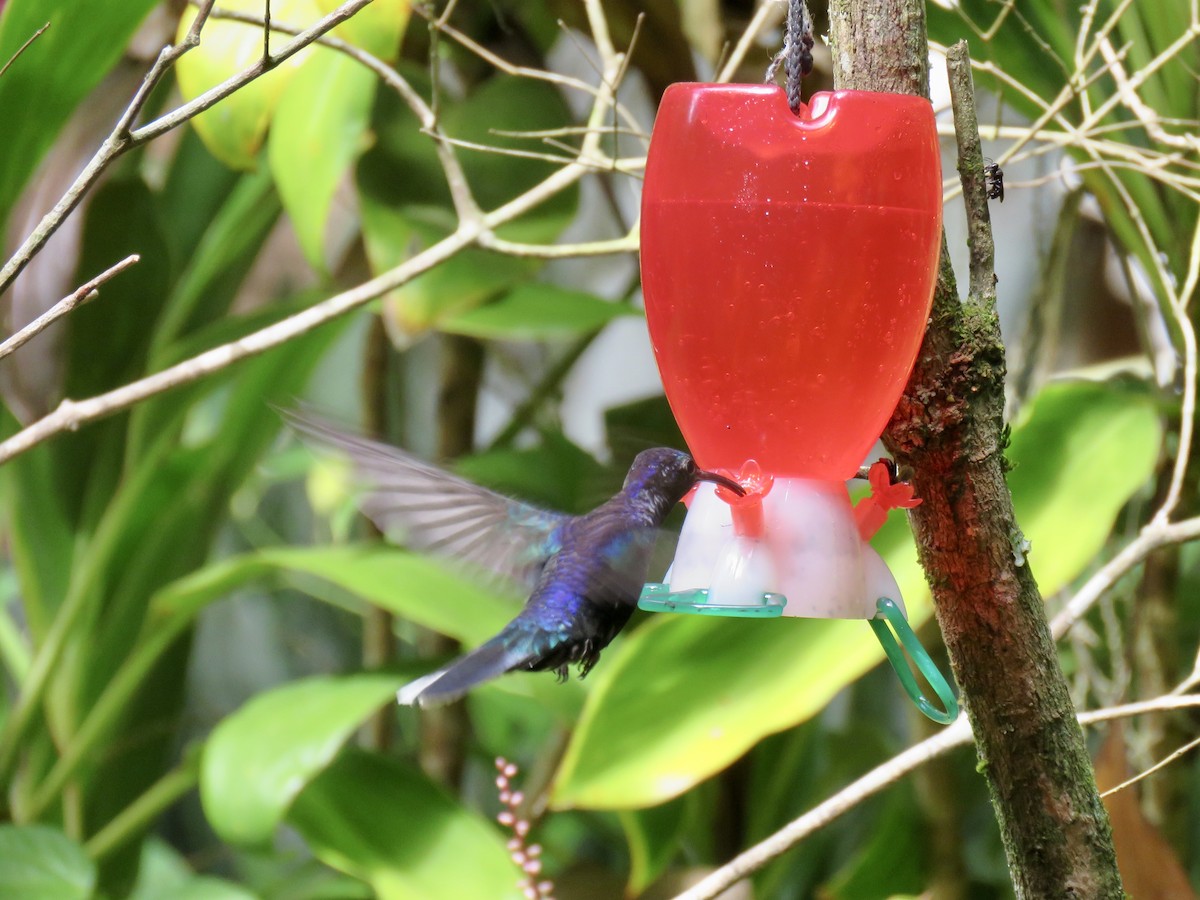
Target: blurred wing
[[428, 509]]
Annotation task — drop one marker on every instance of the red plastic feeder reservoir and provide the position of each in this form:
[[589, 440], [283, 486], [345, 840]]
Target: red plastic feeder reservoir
[[788, 266]]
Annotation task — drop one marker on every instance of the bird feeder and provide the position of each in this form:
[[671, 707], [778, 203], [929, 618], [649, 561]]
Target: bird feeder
[[788, 265]]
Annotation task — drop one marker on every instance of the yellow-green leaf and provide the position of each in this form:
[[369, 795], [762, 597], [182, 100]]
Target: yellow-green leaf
[[382, 821], [685, 696], [318, 130], [377, 28], [234, 129], [260, 758]]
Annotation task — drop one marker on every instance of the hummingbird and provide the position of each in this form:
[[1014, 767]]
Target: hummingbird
[[583, 574]]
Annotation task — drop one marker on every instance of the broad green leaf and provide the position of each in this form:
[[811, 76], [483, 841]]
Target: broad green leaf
[[453, 288], [685, 696], [261, 757], [536, 312], [653, 837], [41, 89], [38, 862], [223, 254], [1079, 452], [318, 130], [890, 860], [555, 474], [382, 821], [506, 103], [377, 28], [412, 586], [670, 718], [234, 129], [41, 537]]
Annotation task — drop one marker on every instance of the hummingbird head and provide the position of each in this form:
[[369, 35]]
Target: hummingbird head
[[670, 474]]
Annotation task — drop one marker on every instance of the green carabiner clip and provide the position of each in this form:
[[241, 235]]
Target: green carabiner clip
[[890, 614]]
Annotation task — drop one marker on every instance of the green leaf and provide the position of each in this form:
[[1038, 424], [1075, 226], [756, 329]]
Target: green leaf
[[716, 687], [889, 860], [234, 129], [555, 474], [376, 28], [653, 836], [1079, 452], [649, 733], [382, 821], [38, 862], [468, 279], [507, 103], [44, 86], [410, 585], [537, 312], [261, 757], [219, 260], [318, 130]]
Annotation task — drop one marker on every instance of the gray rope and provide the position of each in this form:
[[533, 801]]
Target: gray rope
[[796, 55]]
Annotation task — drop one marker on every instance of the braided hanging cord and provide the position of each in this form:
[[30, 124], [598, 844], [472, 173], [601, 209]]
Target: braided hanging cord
[[796, 55]]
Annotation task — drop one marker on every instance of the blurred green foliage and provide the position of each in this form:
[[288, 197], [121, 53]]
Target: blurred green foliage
[[180, 632]]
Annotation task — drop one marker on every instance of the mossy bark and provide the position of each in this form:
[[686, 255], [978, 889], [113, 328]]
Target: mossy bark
[[948, 430]]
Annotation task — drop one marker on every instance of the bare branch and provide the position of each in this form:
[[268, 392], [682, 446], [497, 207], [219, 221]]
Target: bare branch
[[71, 414], [25, 46], [753, 859], [1161, 764], [83, 294], [882, 776], [1152, 537], [982, 288], [122, 139], [627, 244], [460, 192], [769, 13]]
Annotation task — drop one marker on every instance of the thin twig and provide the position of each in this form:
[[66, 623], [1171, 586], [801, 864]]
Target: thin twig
[[1161, 764], [465, 206], [610, 247], [882, 776], [25, 46], [83, 294], [982, 289], [502, 65], [122, 139], [1150, 538], [769, 13], [71, 414]]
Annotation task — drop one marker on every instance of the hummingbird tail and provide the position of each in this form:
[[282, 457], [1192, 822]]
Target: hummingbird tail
[[447, 684]]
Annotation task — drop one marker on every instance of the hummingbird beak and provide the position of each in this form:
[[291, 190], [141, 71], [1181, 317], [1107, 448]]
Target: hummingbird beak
[[722, 480]]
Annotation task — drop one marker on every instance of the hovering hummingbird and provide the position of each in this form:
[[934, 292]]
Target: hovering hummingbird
[[584, 573]]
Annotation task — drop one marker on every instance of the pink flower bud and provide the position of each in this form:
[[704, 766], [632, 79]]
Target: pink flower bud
[[505, 818]]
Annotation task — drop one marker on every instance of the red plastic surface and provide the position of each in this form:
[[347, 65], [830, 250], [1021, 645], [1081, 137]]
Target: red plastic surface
[[788, 265]]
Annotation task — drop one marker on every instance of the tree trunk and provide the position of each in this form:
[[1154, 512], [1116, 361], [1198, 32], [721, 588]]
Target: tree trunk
[[948, 429]]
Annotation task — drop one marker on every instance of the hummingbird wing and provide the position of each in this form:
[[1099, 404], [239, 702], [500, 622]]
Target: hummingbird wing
[[426, 508]]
